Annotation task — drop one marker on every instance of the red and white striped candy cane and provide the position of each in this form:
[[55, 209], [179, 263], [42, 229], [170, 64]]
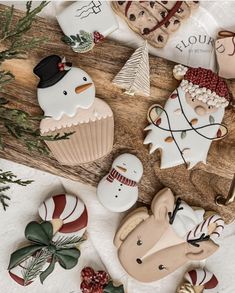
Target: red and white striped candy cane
[[203, 228], [68, 208], [201, 277]]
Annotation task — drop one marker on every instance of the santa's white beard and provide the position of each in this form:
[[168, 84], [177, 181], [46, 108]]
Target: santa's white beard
[[194, 146]]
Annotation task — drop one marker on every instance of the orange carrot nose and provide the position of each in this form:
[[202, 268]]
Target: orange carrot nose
[[82, 88]]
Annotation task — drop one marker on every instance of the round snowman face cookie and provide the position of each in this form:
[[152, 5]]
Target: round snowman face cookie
[[118, 190]]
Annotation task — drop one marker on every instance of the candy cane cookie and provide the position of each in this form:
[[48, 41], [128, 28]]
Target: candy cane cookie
[[67, 213], [198, 281]]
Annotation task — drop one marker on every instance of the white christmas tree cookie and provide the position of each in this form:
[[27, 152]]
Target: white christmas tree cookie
[[134, 76], [190, 120], [118, 190]]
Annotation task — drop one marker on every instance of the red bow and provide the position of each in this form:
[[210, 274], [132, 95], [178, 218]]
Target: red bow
[[93, 282]]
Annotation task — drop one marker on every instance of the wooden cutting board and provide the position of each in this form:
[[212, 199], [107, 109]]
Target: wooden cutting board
[[198, 186]]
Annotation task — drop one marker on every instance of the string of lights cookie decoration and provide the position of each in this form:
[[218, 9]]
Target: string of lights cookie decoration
[[191, 118]]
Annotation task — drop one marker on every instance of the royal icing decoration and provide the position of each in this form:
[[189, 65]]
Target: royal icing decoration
[[63, 89], [154, 20], [134, 76], [67, 213], [118, 190], [55, 240], [86, 24], [151, 245], [191, 118], [198, 281]]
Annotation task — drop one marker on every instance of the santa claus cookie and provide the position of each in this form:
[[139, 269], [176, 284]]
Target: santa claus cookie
[[154, 20], [67, 96], [190, 120], [198, 281], [118, 190], [153, 244], [56, 239]]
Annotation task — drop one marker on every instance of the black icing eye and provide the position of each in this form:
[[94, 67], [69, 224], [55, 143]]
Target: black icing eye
[[161, 267], [65, 93], [209, 107], [193, 100], [84, 78], [139, 242], [132, 17]]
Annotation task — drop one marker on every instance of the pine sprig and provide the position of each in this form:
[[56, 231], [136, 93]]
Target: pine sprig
[[34, 265], [8, 177], [68, 242], [4, 197]]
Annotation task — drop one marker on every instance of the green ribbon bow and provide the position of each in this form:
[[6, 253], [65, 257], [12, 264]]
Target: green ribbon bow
[[41, 236]]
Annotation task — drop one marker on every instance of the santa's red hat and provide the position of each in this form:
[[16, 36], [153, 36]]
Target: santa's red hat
[[204, 85]]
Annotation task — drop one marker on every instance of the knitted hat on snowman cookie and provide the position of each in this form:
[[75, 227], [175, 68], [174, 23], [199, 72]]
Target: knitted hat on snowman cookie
[[204, 85]]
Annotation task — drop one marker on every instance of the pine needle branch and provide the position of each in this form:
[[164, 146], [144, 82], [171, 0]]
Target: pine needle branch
[[68, 242], [34, 265], [8, 177]]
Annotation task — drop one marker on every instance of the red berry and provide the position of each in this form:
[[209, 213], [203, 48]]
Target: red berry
[[102, 278], [86, 287], [97, 288], [87, 274]]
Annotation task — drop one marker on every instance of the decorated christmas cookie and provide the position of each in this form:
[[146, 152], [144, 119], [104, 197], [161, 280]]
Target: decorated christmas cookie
[[225, 53], [86, 23], [198, 281], [67, 213], [153, 244], [54, 240], [67, 96], [118, 190], [134, 76], [154, 20], [191, 118]]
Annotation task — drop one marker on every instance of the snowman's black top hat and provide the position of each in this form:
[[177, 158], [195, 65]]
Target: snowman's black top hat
[[50, 70]]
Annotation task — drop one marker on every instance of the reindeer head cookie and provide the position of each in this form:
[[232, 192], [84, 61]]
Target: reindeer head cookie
[[153, 244]]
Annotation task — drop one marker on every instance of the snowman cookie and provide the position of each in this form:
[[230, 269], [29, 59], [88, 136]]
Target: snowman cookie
[[190, 120], [67, 96], [118, 190], [198, 281]]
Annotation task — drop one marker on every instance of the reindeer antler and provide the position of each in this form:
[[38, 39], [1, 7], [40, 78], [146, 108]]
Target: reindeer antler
[[176, 209], [194, 242]]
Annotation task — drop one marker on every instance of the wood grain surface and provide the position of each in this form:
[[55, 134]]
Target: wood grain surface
[[198, 186]]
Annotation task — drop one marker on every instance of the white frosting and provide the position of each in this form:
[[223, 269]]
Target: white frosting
[[197, 146], [98, 110], [61, 98], [186, 219]]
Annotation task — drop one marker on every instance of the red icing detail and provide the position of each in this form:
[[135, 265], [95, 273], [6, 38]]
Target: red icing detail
[[193, 276], [212, 283], [173, 96], [219, 133], [18, 280], [127, 7], [158, 121], [60, 202], [97, 37], [76, 225], [208, 79]]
